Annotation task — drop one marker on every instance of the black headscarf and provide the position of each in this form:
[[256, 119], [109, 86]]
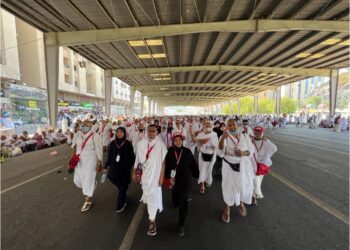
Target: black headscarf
[[120, 141], [176, 148]]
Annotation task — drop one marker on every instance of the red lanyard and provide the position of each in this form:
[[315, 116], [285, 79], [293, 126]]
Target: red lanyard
[[178, 158], [235, 143], [119, 147], [84, 143], [262, 143], [149, 151]]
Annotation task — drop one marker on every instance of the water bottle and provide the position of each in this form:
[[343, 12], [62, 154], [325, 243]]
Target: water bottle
[[103, 178]]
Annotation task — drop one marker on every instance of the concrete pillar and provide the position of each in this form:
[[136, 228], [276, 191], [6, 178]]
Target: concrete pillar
[[239, 105], [52, 74], [333, 91], [150, 103], [108, 92], [142, 103], [132, 101], [154, 107], [256, 103], [278, 100]]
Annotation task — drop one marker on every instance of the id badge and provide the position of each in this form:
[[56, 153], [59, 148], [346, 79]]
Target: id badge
[[172, 173], [118, 158]]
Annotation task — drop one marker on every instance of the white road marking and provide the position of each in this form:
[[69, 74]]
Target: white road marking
[[331, 210], [30, 180], [133, 227]]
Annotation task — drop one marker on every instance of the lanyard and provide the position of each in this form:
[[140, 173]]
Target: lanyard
[[149, 151], [235, 143], [84, 143], [178, 158], [119, 147], [262, 143]]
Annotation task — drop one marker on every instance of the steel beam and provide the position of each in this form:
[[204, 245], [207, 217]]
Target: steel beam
[[222, 68], [155, 93], [73, 38], [205, 85]]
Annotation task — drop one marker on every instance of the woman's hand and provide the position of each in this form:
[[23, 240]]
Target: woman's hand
[[160, 181], [98, 167], [135, 177], [172, 181]]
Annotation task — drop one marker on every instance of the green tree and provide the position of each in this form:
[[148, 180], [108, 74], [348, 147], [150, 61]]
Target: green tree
[[247, 105], [231, 108], [288, 105], [266, 106], [315, 101]]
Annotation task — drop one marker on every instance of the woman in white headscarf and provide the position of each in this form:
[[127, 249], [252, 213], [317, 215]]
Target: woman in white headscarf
[[88, 145]]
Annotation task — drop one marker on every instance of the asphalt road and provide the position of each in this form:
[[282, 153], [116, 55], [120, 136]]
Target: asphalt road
[[306, 204]]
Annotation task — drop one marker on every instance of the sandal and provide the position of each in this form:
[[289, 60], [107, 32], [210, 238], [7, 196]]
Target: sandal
[[202, 190], [86, 206], [225, 217], [242, 211], [254, 201], [152, 229]]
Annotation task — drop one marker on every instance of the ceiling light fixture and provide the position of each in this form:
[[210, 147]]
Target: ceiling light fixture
[[162, 79], [160, 55], [303, 55], [144, 56], [319, 55], [150, 42], [331, 41]]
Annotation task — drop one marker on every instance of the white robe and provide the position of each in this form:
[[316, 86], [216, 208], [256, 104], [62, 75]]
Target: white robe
[[249, 130], [104, 132], [85, 171], [263, 151], [236, 186], [138, 136], [152, 192], [206, 168], [190, 128]]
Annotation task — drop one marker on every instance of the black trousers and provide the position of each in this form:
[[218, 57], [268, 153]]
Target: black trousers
[[180, 200], [121, 199]]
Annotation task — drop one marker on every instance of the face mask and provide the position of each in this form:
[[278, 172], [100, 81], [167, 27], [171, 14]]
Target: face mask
[[141, 130], [85, 129], [232, 132]]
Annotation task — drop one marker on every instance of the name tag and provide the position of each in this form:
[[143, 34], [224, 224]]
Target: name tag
[[172, 173], [118, 158]]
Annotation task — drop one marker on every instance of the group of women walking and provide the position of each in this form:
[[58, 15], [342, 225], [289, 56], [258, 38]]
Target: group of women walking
[[243, 154]]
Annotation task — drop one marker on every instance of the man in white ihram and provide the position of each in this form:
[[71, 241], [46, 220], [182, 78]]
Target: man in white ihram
[[151, 154]]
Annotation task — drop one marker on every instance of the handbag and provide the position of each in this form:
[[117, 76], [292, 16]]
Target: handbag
[[74, 160], [262, 169], [235, 166], [167, 184], [207, 157], [138, 172]]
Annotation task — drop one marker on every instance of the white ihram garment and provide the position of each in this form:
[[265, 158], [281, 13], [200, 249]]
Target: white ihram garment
[[85, 171], [206, 168], [152, 192], [236, 186], [263, 151]]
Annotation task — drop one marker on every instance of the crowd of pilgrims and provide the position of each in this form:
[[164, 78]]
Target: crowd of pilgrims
[[16, 145], [162, 153]]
